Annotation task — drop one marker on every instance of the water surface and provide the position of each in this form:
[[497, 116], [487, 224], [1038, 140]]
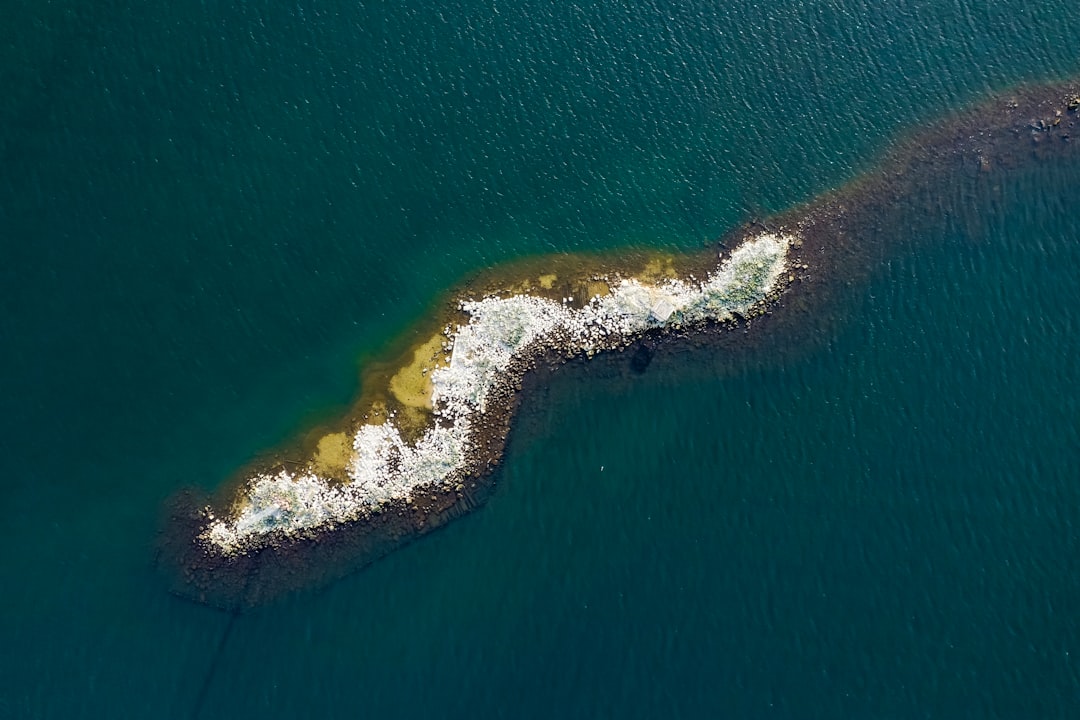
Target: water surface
[[209, 214]]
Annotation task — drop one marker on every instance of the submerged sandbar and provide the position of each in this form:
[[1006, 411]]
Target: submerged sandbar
[[420, 445]]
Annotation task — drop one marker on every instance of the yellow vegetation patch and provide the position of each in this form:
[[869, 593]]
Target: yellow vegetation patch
[[333, 453], [548, 281], [411, 385], [378, 413], [411, 422], [658, 269], [597, 288]]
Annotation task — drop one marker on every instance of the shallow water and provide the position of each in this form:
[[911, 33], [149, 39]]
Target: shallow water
[[208, 216]]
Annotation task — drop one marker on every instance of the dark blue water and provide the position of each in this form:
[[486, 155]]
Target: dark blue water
[[207, 215]]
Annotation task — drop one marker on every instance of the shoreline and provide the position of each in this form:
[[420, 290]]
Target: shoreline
[[830, 241]]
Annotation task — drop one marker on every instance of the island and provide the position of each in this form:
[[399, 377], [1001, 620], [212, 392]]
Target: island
[[421, 444]]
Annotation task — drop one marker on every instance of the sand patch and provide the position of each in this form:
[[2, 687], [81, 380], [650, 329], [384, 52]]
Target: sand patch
[[333, 454], [596, 288], [658, 269], [411, 385]]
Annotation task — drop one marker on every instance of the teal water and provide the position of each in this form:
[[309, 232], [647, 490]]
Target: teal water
[[208, 214]]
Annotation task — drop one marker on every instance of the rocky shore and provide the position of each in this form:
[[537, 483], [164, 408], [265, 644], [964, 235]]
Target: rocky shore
[[289, 528]]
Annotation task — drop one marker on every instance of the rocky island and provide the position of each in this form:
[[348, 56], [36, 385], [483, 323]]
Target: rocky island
[[422, 442]]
